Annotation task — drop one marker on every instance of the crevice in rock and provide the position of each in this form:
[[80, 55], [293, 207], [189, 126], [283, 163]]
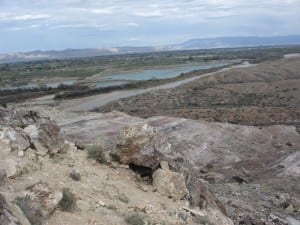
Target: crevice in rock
[[143, 171]]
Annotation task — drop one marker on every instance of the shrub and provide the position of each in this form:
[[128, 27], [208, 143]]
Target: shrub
[[68, 201], [135, 219], [123, 198], [97, 152], [112, 207], [31, 211], [203, 220]]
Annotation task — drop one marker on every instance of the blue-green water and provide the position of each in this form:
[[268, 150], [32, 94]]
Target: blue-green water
[[164, 73]]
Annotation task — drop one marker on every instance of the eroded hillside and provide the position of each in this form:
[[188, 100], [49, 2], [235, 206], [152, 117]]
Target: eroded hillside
[[221, 172]]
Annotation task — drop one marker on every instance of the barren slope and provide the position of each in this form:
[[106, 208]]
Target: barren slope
[[266, 158]]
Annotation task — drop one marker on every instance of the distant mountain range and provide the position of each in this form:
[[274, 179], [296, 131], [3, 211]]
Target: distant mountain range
[[234, 42], [203, 43]]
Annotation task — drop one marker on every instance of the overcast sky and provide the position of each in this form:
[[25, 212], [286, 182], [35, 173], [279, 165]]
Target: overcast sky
[[58, 24]]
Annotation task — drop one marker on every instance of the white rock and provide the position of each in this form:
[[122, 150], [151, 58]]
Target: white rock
[[21, 153], [69, 146], [17, 139], [13, 169], [32, 131], [164, 165]]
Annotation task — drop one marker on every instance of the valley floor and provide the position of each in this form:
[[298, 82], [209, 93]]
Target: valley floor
[[268, 93]]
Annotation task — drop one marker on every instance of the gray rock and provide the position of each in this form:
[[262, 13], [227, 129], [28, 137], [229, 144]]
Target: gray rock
[[79, 146], [45, 138], [75, 175], [3, 176], [6, 215]]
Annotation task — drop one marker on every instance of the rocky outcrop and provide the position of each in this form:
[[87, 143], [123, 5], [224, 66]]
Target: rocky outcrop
[[144, 146], [208, 154], [20, 130]]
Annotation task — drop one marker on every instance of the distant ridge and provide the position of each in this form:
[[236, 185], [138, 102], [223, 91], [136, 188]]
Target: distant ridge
[[234, 42], [203, 43], [72, 53]]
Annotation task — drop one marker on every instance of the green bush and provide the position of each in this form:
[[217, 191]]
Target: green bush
[[203, 220], [112, 207], [68, 201], [30, 210], [123, 198], [135, 219], [97, 152]]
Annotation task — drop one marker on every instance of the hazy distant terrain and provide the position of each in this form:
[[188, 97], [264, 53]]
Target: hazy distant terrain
[[207, 43], [235, 42], [78, 77]]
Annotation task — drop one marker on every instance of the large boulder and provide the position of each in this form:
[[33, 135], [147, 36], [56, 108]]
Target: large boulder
[[170, 184], [140, 145]]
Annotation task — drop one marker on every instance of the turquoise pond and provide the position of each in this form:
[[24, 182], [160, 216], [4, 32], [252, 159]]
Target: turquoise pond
[[164, 73]]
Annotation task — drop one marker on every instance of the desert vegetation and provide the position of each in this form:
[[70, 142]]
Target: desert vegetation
[[97, 153]]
